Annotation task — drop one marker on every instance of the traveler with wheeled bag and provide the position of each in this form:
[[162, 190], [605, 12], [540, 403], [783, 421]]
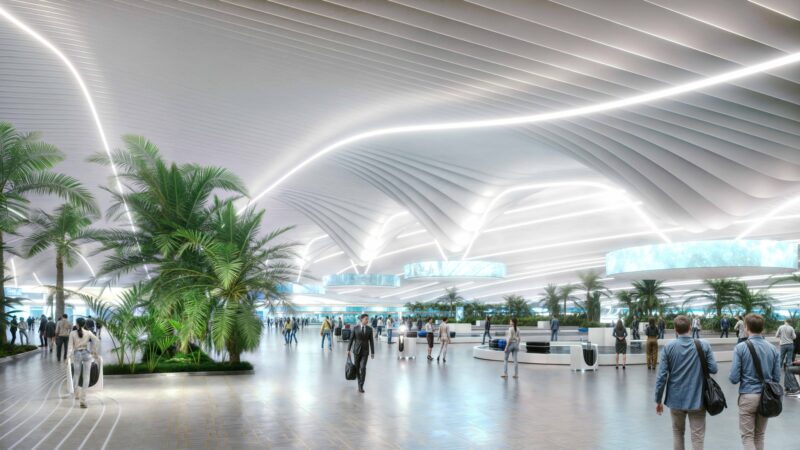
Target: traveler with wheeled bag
[[83, 348]]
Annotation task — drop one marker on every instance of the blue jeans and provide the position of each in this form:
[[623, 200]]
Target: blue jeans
[[293, 336], [554, 335], [287, 336], [512, 348], [328, 335], [787, 354], [389, 334], [81, 359], [486, 333], [695, 333], [661, 333]]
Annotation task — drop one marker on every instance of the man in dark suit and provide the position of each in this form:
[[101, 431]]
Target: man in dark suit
[[364, 348]]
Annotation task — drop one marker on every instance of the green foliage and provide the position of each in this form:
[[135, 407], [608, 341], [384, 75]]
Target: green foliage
[[594, 288], [517, 306], [25, 164], [452, 299], [650, 296], [11, 350], [721, 292], [552, 300], [178, 367]]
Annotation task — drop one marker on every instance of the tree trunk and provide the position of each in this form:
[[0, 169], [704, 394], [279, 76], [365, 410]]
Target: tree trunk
[[59, 286], [3, 339]]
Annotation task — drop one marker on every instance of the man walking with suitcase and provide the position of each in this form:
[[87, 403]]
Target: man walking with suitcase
[[362, 344]]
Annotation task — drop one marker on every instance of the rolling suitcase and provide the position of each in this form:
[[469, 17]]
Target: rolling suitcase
[[589, 354], [790, 383], [501, 344], [493, 343]]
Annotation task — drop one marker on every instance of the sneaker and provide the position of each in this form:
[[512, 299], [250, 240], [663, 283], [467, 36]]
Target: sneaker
[[516, 376], [83, 405], [503, 376]]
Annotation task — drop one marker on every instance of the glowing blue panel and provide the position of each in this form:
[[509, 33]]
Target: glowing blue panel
[[356, 279], [455, 269], [758, 255], [294, 288]]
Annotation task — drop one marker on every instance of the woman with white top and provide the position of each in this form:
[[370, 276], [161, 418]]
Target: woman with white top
[[512, 347], [429, 336], [444, 339], [83, 346]]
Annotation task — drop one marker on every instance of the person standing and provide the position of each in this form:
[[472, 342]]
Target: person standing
[[652, 344], [512, 348], [325, 331], [724, 325], [389, 326], [752, 426], [786, 335], [287, 331], [696, 326], [739, 329], [30, 323], [554, 326], [680, 376], [50, 332], [295, 327], [620, 343], [662, 326], [429, 337], [23, 332], [444, 340], [363, 344], [380, 326], [13, 329], [487, 330], [63, 329], [42, 331], [83, 346], [635, 328]]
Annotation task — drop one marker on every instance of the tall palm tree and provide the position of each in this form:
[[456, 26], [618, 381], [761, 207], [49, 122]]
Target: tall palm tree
[[162, 198], [552, 300], [650, 294], [722, 292], [475, 308], [517, 306], [239, 267], [749, 300], [565, 292], [591, 284], [64, 230], [25, 168], [452, 298]]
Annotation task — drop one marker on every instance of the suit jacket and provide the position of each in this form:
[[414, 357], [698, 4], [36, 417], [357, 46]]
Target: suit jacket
[[362, 340]]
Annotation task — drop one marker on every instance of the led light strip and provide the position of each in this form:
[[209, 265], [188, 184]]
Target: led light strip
[[768, 217], [543, 117], [87, 96], [553, 203], [554, 218], [422, 286]]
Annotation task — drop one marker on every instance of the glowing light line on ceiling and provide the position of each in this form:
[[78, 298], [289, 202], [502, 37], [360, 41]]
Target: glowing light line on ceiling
[[542, 117], [767, 217]]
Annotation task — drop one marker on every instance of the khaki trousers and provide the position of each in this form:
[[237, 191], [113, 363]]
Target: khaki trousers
[[697, 424], [752, 427], [652, 351]]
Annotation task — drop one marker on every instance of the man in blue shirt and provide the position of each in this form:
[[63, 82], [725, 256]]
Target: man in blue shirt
[[680, 374], [752, 426], [724, 326], [554, 325]]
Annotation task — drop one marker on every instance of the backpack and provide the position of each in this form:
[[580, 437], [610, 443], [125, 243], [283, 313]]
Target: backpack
[[771, 403]]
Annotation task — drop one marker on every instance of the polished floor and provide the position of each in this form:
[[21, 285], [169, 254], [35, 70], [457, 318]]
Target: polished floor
[[298, 398]]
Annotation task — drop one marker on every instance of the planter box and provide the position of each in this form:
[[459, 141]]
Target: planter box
[[543, 324]]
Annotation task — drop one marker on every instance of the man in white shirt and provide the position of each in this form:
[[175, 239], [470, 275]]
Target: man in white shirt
[[63, 328], [786, 335]]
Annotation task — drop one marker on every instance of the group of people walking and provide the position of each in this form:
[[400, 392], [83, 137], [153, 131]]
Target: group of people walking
[[681, 381]]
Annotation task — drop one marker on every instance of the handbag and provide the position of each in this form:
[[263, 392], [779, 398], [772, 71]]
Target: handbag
[[350, 369], [771, 403], [713, 398]]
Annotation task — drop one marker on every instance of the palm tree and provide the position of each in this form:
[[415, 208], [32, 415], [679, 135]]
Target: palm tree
[[590, 282], [552, 300], [238, 268], [650, 295], [64, 231], [627, 299], [721, 292], [475, 308], [517, 306], [25, 164], [749, 300], [452, 298], [162, 198], [565, 292]]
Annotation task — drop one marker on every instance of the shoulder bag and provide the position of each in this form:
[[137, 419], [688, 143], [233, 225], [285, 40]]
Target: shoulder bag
[[771, 403], [713, 398]]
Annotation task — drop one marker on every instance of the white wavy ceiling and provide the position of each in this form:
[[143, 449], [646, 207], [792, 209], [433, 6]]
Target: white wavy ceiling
[[260, 86]]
